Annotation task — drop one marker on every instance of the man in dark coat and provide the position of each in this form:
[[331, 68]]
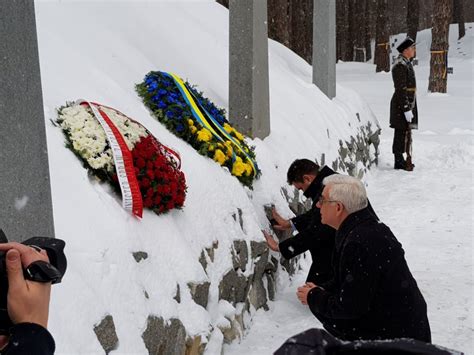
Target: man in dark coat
[[313, 236], [373, 294], [403, 107], [305, 175]]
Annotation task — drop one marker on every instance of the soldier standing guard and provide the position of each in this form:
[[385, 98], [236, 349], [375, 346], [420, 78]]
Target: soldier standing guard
[[403, 108]]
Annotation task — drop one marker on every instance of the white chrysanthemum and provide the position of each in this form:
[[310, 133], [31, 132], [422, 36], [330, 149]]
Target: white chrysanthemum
[[89, 139]]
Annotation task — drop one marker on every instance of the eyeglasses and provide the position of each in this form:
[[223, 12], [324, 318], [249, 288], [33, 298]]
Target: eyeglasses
[[321, 200]]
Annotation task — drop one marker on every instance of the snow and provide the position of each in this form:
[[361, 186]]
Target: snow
[[98, 50]]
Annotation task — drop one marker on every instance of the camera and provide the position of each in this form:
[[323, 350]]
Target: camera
[[39, 271]]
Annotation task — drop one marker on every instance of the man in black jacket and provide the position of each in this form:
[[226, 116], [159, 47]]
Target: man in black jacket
[[306, 176], [27, 303], [373, 294], [403, 107]]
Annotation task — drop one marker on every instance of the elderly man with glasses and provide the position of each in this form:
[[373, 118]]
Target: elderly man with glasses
[[373, 294]]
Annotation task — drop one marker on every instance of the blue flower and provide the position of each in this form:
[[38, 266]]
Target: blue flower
[[170, 114], [152, 86], [179, 127], [162, 92], [161, 104]]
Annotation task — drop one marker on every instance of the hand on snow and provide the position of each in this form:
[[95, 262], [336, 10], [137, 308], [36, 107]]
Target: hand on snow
[[27, 301], [409, 116], [282, 224], [303, 291], [270, 241]]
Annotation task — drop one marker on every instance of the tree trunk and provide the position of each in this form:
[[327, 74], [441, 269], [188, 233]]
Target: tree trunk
[[301, 23], [413, 15], [458, 16], [359, 16], [439, 46], [279, 21], [382, 41], [343, 38], [370, 27]]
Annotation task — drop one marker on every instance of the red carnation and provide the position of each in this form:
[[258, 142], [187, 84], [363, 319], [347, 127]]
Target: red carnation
[[173, 186], [157, 173], [145, 182], [157, 199], [148, 202], [149, 193], [140, 163], [150, 173]]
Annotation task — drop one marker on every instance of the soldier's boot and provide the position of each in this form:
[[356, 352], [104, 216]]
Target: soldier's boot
[[400, 162]]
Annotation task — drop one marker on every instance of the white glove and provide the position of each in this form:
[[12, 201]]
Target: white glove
[[409, 116]]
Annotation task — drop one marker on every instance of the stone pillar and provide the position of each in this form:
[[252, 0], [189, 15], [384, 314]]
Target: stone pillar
[[248, 67], [324, 46], [25, 192]]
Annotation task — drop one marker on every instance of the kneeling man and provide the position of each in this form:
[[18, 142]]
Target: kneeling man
[[373, 294]]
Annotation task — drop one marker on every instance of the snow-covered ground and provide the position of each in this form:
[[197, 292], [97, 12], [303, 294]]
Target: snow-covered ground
[[430, 210], [98, 50]]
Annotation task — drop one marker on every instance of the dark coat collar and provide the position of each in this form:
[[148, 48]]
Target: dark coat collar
[[314, 190], [352, 221]]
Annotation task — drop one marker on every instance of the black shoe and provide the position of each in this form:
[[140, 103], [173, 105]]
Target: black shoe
[[400, 162]]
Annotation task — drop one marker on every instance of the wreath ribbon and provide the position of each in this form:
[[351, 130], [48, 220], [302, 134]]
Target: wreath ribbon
[[207, 120], [131, 196]]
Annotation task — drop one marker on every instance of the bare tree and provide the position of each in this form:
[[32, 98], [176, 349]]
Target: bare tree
[[279, 21], [382, 42], [359, 16], [343, 37], [413, 16], [301, 33], [439, 46], [370, 25], [458, 16]]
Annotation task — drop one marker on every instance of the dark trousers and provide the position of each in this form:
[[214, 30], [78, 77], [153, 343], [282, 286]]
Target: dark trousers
[[398, 147]]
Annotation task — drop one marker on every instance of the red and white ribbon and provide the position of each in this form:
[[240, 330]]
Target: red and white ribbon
[[159, 146], [131, 195]]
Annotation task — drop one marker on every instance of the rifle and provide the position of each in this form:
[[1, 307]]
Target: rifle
[[408, 148]]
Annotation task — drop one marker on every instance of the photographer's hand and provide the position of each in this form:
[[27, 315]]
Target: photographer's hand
[[28, 301]]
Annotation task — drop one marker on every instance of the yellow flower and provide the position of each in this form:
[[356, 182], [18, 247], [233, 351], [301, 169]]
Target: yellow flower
[[238, 168], [239, 136], [190, 122], [210, 148], [248, 169], [204, 135], [192, 129], [219, 157], [228, 128], [230, 150]]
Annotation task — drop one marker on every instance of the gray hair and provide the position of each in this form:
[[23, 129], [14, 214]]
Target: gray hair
[[348, 190]]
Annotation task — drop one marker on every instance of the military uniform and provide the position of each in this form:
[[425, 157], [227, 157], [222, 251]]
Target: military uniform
[[403, 102]]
